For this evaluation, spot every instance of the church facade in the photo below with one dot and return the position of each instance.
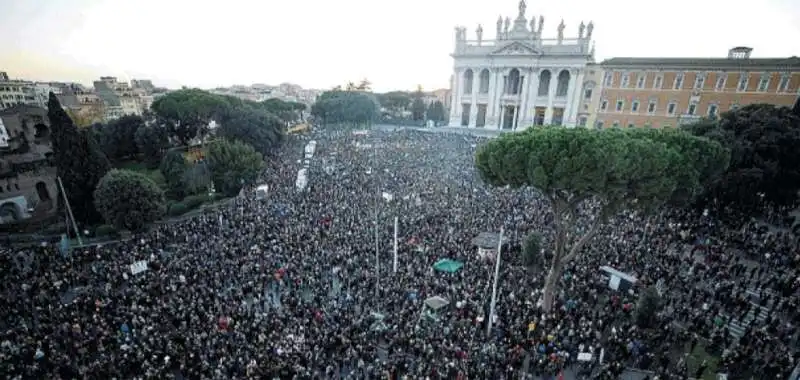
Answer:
(519, 79)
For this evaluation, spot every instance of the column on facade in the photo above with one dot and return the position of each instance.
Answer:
(529, 106)
(551, 94)
(492, 97)
(497, 114)
(524, 95)
(573, 102)
(473, 108)
(455, 102)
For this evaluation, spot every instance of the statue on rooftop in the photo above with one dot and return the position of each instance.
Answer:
(522, 7)
(499, 27)
(541, 24)
(581, 28)
(479, 33)
(561, 31)
(589, 30)
(506, 25)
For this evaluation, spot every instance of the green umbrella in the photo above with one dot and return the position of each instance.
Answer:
(448, 265)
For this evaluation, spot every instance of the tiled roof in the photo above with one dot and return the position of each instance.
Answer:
(791, 63)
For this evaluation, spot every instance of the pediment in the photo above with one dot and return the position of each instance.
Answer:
(515, 48)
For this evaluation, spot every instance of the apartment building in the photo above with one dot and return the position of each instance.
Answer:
(16, 92)
(667, 92)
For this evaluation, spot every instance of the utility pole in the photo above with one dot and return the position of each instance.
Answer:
(395, 244)
(494, 285)
(69, 211)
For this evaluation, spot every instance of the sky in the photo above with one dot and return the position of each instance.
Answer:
(396, 45)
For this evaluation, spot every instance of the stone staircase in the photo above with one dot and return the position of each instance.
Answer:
(756, 316)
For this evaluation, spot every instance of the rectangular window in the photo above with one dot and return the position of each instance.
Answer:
(783, 86)
(692, 109)
(640, 80)
(616, 124)
(712, 110)
(587, 94)
(699, 81)
(721, 79)
(743, 80)
(598, 124)
(635, 106)
(763, 84)
(678, 82)
(582, 121)
(671, 109)
(657, 82)
(604, 105)
(620, 105)
(651, 107)
(608, 80)
(626, 80)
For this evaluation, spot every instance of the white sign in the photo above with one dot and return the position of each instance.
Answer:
(388, 197)
(138, 267)
(613, 283)
(487, 254)
(584, 357)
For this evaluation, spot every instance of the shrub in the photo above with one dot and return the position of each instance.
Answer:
(129, 200)
(177, 209)
(105, 230)
(648, 307)
(532, 251)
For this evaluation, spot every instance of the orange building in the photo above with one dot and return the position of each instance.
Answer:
(667, 92)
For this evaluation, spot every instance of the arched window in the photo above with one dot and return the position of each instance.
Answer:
(468, 81)
(563, 83)
(512, 83)
(544, 83)
(484, 82)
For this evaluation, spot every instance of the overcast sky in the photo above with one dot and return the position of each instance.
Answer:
(322, 43)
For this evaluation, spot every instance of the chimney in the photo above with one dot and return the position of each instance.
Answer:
(740, 52)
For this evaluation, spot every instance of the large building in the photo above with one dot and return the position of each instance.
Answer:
(27, 175)
(667, 92)
(519, 79)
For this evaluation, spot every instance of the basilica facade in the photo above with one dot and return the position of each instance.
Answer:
(519, 79)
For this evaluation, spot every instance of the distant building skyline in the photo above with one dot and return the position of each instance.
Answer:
(319, 44)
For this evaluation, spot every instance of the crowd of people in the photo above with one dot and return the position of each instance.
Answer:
(302, 284)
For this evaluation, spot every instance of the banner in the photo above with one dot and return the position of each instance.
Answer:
(138, 267)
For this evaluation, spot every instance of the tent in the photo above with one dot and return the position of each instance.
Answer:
(618, 280)
(447, 265)
(431, 307)
(487, 244)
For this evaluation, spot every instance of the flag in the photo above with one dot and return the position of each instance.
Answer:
(64, 245)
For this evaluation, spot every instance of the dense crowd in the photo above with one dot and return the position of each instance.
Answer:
(301, 285)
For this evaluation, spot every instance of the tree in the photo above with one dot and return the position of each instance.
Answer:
(117, 139)
(435, 111)
(418, 105)
(197, 178)
(287, 112)
(189, 112)
(587, 177)
(173, 166)
(129, 200)
(152, 140)
(648, 307)
(353, 108)
(364, 85)
(257, 128)
(532, 251)
(87, 115)
(79, 162)
(396, 102)
(233, 164)
(764, 171)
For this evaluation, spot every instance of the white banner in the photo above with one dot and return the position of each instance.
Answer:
(138, 267)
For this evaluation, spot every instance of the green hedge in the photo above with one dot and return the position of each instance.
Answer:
(177, 209)
(105, 230)
(194, 201)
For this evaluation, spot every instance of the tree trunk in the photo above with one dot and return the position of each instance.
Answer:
(548, 298)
